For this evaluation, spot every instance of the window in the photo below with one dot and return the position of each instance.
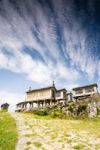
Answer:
(58, 94)
(79, 92)
(88, 90)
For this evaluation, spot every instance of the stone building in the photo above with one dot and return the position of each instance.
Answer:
(85, 91)
(5, 106)
(43, 97)
(50, 96)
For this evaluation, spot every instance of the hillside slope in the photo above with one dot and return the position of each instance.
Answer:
(56, 134)
(8, 132)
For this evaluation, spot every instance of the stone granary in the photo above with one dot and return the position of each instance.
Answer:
(5, 106)
(50, 96)
(85, 91)
(43, 97)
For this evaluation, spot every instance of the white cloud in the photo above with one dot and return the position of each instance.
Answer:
(67, 73)
(17, 25)
(29, 24)
(11, 98)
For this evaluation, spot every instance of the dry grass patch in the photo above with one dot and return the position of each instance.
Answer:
(57, 133)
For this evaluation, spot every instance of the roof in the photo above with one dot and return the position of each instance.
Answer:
(5, 104)
(45, 88)
(61, 90)
(33, 101)
(69, 93)
(21, 103)
(85, 86)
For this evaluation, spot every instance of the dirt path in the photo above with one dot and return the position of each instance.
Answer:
(37, 134)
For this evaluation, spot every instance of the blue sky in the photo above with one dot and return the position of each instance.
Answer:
(46, 40)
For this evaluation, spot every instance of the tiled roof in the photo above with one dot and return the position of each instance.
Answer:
(45, 88)
(61, 90)
(85, 86)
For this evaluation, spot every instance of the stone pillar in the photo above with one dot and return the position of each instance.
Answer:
(20, 105)
(43, 103)
(38, 104)
(53, 103)
(32, 104)
(57, 101)
(35, 104)
(49, 103)
(28, 106)
(24, 106)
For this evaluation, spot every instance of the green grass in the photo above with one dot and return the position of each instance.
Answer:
(38, 144)
(79, 147)
(8, 132)
(28, 143)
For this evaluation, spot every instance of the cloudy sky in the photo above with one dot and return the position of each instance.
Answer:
(46, 40)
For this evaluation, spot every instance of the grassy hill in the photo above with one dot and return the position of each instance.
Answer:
(8, 132)
(47, 133)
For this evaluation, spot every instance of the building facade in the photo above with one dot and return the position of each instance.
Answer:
(50, 96)
(41, 98)
(85, 91)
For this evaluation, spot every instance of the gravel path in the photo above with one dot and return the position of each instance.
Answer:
(40, 134)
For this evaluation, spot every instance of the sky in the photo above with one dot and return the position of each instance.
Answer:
(46, 40)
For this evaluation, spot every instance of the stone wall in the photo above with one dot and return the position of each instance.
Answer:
(88, 107)
(38, 95)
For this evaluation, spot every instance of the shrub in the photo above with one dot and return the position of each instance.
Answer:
(98, 110)
(82, 109)
(57, 113)
(72, 107)
(40, 112)
(53, 112)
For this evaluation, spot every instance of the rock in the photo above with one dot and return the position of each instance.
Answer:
(92, 109)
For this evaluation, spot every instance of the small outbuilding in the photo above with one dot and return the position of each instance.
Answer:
(5, 106)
